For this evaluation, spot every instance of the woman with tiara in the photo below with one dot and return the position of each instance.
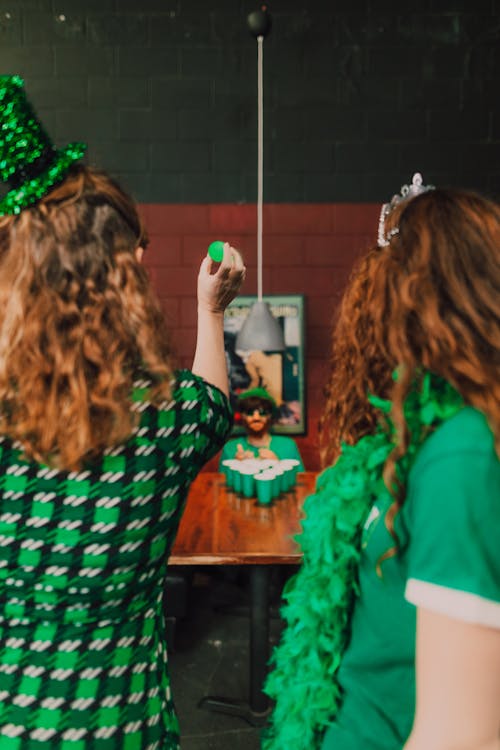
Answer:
(100, 438)
(393, 621)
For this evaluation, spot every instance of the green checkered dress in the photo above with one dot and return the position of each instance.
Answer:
(83, 661)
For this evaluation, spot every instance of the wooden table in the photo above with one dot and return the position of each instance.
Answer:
(220, 527)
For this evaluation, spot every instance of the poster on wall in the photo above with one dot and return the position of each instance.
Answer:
(280, 373)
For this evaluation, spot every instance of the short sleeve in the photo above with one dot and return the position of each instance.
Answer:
(452, 515)
(228, 452)
(296, 454)
(285, 448)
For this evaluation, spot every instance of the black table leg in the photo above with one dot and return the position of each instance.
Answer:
(257, 709)
(259, 636)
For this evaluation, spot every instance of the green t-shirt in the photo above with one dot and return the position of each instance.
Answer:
(281, 445)
(449, 562)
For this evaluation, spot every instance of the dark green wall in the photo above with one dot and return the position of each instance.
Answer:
(358, 94)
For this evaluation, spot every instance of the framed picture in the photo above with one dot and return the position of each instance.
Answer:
(280, 373)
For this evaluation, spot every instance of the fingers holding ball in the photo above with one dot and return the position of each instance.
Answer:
(229, 258)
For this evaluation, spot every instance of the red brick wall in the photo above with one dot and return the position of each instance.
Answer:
(307, 249)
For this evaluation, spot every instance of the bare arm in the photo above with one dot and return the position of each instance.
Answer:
(215, 292)
(458, 685)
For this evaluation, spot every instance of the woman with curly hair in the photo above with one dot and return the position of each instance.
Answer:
(100, 438)
(393, 621)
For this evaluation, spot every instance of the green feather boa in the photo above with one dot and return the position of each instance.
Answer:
(320, 598)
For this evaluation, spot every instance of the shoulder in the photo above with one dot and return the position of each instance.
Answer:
(185, 387)
(282, 440)
(185, 380)
(192, 388)
(286, 447)
(460, 452)
(458, 460)
(194, 405)
(232, 443)
(467, 432)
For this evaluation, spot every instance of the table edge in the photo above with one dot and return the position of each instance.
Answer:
(227, 559)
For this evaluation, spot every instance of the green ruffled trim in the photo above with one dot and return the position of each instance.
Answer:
(320, 598)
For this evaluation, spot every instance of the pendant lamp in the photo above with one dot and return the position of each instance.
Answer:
(260, 330)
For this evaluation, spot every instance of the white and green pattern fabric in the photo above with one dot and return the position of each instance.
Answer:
(83, 661)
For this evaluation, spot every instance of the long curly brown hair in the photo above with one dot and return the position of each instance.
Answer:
(431, 300)
(78, 320)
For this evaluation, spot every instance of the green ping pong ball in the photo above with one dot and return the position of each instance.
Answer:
(216, 250)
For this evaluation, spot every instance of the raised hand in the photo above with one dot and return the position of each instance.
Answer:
(218, 287)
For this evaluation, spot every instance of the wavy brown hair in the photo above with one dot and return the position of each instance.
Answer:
(78, 321)
(431, 300)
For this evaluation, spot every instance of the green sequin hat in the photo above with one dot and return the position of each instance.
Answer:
(29, 162)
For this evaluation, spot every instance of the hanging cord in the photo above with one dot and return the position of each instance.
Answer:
(260, 160)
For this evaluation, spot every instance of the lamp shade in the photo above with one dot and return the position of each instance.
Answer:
(260, 331)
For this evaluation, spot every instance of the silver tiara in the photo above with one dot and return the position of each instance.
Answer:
(407, 191)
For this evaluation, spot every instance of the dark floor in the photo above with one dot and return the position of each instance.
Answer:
(210, 656)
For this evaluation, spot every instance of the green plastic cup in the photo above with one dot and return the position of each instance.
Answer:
(292, 464)
(247, 481)
(280, 479)
(237, 479)
(227, 468)
(288, 466)
(264, 485)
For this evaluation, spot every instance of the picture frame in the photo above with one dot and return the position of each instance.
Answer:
(280, 373)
